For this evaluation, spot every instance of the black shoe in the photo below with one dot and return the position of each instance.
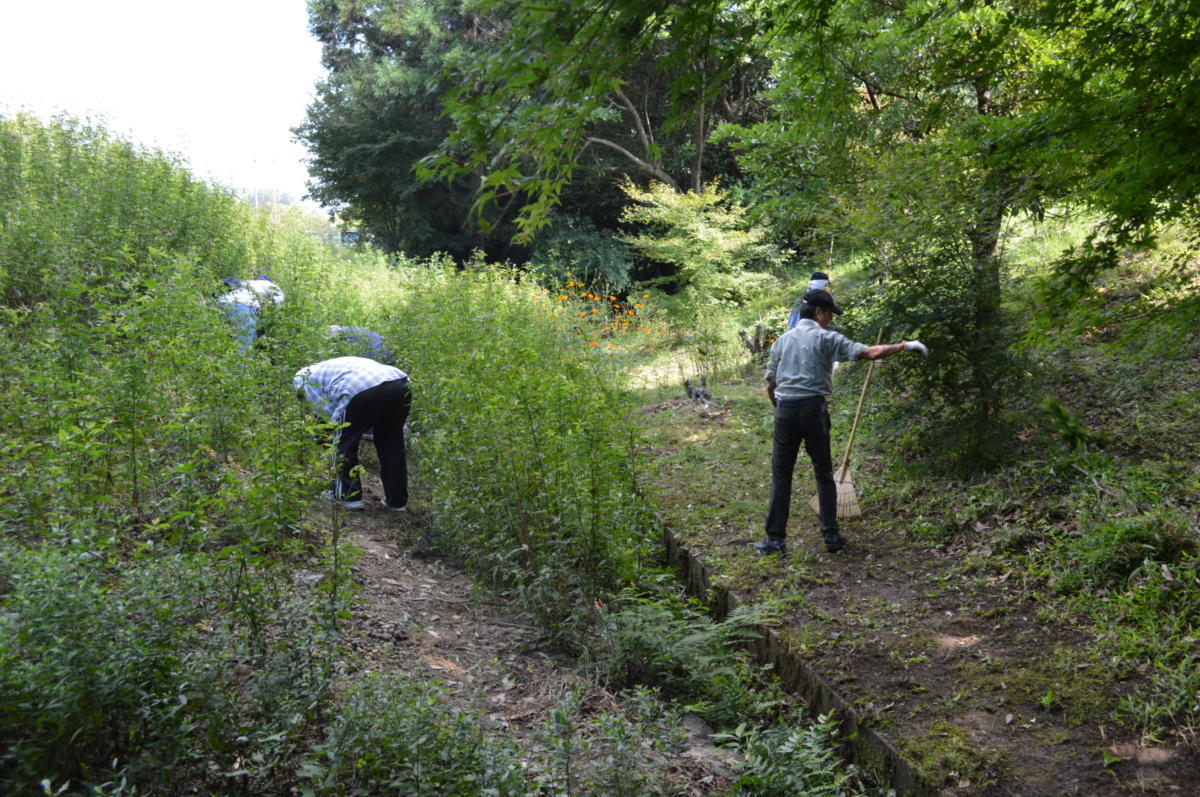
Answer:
(771, 546)
(834, 542)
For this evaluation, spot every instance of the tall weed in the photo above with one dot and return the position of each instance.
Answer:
(133, 670)
(530, 468)
(393, 736)
(154, 476)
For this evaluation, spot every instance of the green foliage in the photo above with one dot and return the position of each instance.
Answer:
(377, 115)
(619, 86)
(880, 142)
(1155, 619)
(158, 484)
(681, 651)
(145, 413)
(82, 209)
(1123, 103)
(794, 757)
(575, 249)
(716, 259)
(608, 754)
(535, 483)
(1069, 428)
(394, 736)
(154, 475)
(1106, 554)
(955, 404)
(1141, 307)
(136, 673)
(92, 675)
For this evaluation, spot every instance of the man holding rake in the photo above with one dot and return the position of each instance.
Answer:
(799, 379)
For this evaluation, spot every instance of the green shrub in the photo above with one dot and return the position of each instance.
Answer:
(143, 671)
(716, 259)
(575, 249)
(83, 208)
(790, 758)
(611, 752)
(682, 652)
(392, 736)
(154, 476)
(520, 426)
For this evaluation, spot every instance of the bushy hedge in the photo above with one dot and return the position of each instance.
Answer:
(154, 477)
(526, 459)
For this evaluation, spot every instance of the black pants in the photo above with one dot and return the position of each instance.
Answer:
(384, 407)
(805, 421)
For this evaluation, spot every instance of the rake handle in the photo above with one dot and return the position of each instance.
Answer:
(858, 412)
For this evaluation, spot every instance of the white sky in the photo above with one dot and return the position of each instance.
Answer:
(220, 82)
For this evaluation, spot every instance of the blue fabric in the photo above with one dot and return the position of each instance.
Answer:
(362, 342)
(244, 318)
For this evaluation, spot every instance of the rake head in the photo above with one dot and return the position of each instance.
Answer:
(847, 497)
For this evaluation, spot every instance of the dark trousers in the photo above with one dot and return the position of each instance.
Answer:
(385, 408)
(807, 422)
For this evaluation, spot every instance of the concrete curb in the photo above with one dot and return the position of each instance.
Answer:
(864, 746)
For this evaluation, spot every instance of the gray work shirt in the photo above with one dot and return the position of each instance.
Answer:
(801, 362)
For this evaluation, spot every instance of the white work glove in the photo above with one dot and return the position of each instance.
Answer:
(915, 345)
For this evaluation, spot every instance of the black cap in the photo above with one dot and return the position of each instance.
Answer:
(819, 275)
(822, 299)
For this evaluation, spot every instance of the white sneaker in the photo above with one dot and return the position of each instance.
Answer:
(383, 503)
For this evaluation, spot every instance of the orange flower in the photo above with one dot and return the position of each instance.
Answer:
(594, 343)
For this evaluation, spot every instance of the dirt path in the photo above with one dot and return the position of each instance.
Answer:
(983, 684)
(422, 616)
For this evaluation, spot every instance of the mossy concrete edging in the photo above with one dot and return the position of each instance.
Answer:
(865, 747)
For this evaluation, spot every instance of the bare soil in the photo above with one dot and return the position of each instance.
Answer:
(421, 615)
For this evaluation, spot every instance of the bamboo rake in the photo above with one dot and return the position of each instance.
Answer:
(847, 497)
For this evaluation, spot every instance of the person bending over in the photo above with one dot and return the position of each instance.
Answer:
(356, 394)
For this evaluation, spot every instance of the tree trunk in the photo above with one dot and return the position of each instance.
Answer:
(989, 359)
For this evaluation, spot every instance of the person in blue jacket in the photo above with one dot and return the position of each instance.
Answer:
(819, 281)
(360, 341)
(244, 306)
